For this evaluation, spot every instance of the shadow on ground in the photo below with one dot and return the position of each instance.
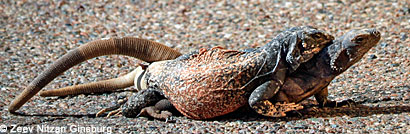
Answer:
(246, 114)
(313, 111)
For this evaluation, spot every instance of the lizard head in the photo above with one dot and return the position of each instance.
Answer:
(351, 47)
(304, 43)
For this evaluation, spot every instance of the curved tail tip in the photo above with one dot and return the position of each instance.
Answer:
(14, 106)
(12, 109)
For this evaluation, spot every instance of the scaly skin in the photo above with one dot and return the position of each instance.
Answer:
(314, 76)
(214, 82)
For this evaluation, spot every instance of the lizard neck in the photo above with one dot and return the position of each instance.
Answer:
(327, 64)
(271, 48)
(338, 58)
(274, 54)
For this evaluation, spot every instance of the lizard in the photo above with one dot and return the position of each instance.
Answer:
(290, 48)
(313, 77)
(309, 79)
(214, 82)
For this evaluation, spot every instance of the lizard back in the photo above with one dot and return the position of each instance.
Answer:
(209, 83)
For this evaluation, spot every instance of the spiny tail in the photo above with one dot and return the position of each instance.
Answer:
(142, 49)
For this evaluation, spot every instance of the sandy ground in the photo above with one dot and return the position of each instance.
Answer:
(33, 34)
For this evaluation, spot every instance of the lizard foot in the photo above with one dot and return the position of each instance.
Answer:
(304, 111)
(151, 111)
(286, 107)
(266, 108)
(115, 110)
(115, 113)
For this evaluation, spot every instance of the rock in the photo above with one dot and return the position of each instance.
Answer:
(372, 56)
(395, 64)
(403, 36)
(384, 44)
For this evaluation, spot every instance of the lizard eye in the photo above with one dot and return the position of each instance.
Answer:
(316, 36)
(359, 39)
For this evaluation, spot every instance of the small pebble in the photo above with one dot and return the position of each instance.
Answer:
(395, 64)
(372, 56)
(403, 36)
(384, 44)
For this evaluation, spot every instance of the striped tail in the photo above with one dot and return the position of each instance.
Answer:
(148, 51)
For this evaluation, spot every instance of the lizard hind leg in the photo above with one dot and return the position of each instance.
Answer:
(133, 106)
(140, 104)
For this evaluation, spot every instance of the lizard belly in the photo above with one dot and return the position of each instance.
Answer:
(201, 104)
(208, 84)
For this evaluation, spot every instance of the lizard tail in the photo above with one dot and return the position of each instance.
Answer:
(101, 86)
(94, 87)
(142, 49)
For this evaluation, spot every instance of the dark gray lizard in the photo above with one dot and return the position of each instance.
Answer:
(311, 78)
(241, 74)
(314, 76)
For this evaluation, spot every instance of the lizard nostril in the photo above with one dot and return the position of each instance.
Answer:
(374, 32)
(377, 33)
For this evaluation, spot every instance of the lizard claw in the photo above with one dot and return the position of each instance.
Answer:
(285, 107)
(115, 113)
(299, 114)
(143, 112)
(115, 110)
(152, 112)
(348, 103)
(314, 109)
(170, 119)
(99, 113)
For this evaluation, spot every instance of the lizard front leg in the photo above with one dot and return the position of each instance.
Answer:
(321, 98)
(259, 101)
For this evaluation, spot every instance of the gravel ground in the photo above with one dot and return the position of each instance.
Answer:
(33, 34)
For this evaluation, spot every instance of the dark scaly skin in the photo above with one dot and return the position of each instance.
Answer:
(215, 82)
(144, 99)
(314, 76)
(149, 103)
